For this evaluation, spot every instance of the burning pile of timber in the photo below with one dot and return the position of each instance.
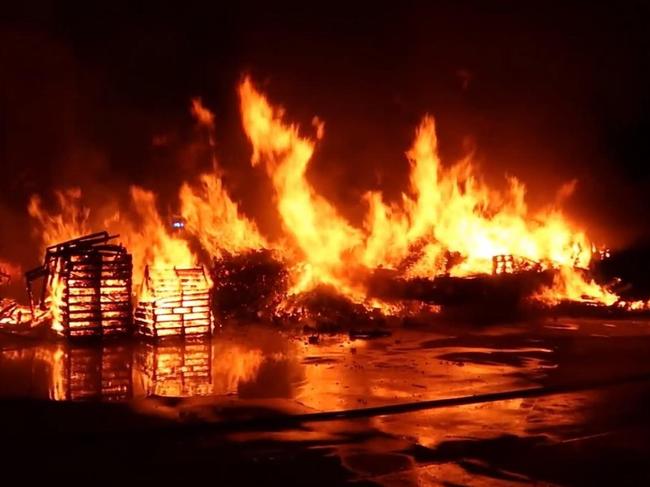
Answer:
(98, 373)
(249, 286)
(512, 280)
(325, 309)
(499, 295)
(87, 286)
(13, 315)
(174, 302)
(176, 369)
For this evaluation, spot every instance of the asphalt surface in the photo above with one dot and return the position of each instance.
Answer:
(252, 406)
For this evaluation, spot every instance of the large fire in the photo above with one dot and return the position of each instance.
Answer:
(446, 209)
(323, 237)
(447, 222)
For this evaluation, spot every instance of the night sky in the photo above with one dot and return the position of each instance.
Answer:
(546, 93)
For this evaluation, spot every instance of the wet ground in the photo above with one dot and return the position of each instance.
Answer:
(245, 407)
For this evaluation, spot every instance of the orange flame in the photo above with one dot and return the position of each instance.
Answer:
(149, 240)
(9, 271)
(209, 212)
(56, 294)
(214, 218)
(446, 209)
(452, 209)
(142, 230)
(570, 285)
(321, 234)
(70, 222)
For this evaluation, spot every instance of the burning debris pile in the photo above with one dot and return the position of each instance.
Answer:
(508, 283)
(13, 316)
(249, 286)
(87, 286)
(450, 241)
(324, 309)
(174, 302)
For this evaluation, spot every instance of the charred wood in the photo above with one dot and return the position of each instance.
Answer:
(324, 309)
(449, 291)
(249, 286)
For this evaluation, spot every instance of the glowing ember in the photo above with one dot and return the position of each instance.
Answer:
(88, 283)
(322, 235)
(55, 303)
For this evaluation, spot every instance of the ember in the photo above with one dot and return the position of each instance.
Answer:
(174, 301)
(89, 286)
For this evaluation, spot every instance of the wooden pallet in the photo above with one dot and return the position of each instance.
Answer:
(95, 280)
(175, 302)
(97, 294)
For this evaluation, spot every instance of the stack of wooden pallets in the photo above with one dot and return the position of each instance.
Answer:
(93, 279)
(174, 302)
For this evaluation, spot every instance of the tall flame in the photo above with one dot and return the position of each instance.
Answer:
(71, 220)
(149, 238)
(452, 209)
(448, 221)
(142, 230)
(209, 212)
(446, 210)
(322, 235)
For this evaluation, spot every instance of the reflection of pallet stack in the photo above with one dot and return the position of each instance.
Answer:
(174, 301)
(89, 286)
(99, 373)
(176, 369)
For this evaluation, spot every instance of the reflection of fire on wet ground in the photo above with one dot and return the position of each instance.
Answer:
(260, 363)
(176, 369)
(98, 373)
(76, 373)
(256, 370)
